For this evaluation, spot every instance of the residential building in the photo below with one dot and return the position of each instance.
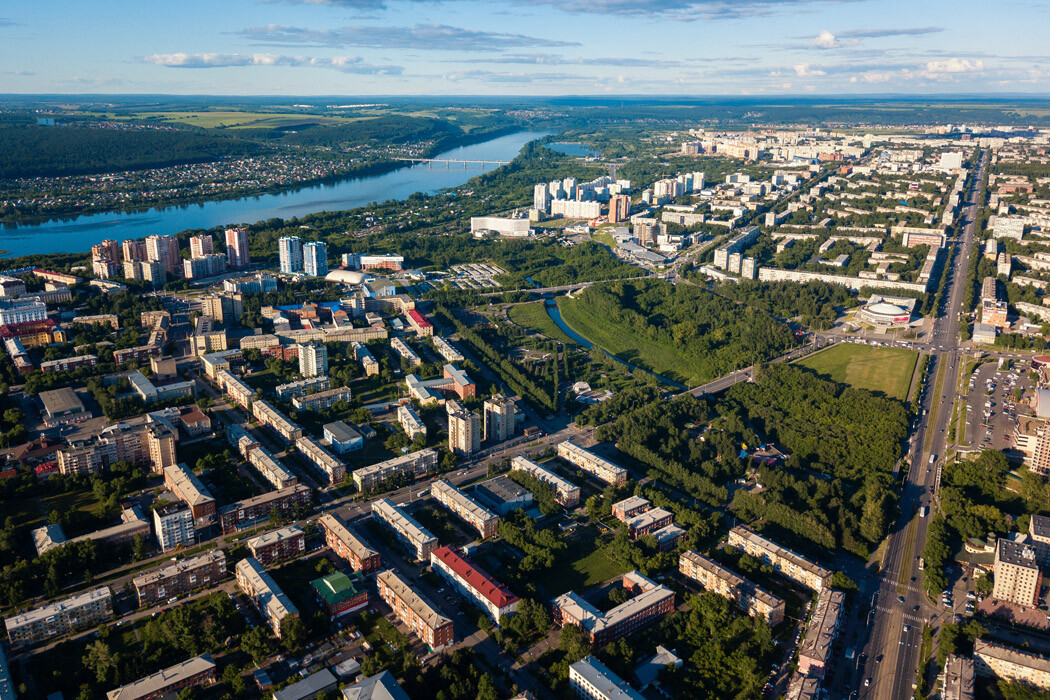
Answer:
(417, 537)
(629, 507)
(566, 493)
(405, 353)
(277, 421)
(186, 575)
(252, 511)
(12, 312)
(290, 251)
(203, 267)
(173, 525)
(821, 631)
(61, 617)
(410, 421)
(313, 359)
(464, 429)
(237, 248)
(590, 678)
(368, 362)
(322, 400)
(419, 323)
(1011, 664)
(194, 421)
(619, 208)
(415, 463)
(259, 283)
(315, 259)
(651, 600)
(66, 364)
(446, 349)
(207, 337)
(302, 387)
(744, 594)
(415, 611)
(240, 392)
(648, 522)
(271, 468)
(787, 563)
(591, 463)
(473, 583)
(334, 470)
(346, 545)
(195, 672)
(181, 481)
(501, 416)
(264, 593)
(342, 437)
(466, 508)
(802, 687)
(278, 545)
(164, 250)
(461, 383)
(382, 686)
(1018, 576)
(958, 679)
(340, 594)
(316, 685)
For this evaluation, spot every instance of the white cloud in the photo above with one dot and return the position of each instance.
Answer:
(805, 70)
(345, 64)
(955, 65)
(824, 40)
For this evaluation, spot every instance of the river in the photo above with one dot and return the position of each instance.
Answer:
(79, 234)
(555, 313)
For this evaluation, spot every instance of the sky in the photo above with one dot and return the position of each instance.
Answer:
(524, 47)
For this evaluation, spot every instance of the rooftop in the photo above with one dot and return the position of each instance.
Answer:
(161, 680)
(417, 603)
(1027, 659)
(487, 587)
(341, 432)
(611, 686)
(820, 632)
(352, 541)
(337, 587)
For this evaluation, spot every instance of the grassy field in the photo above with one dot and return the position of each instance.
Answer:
(534, 317)
(238, 119)
(583, 564)
(885, 370)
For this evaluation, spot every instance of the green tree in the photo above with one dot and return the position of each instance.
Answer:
(256, 643)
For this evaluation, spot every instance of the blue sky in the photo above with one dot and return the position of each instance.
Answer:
(526, 47)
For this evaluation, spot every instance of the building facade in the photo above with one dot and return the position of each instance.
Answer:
(347, 545)
(415, 611)
(744, 594)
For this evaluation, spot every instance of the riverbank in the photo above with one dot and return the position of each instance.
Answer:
(356, 172)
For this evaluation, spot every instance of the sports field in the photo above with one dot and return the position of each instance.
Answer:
(886, 370)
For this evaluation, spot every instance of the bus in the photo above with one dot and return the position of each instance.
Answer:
(933, 458)
(922, 563)
(922, 511)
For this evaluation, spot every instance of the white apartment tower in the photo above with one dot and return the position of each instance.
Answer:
(315, 259)
(291, 252)
(237, 247)
(313, 359)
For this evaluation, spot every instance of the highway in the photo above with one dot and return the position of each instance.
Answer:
(899, 606)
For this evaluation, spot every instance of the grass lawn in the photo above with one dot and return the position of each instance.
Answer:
(583, 564)
(534, 317)
(885, 370)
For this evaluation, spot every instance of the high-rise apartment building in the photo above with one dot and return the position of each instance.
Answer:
(313, 359)
(237, 247)
(541, 197)
(290, 250)
(619, 208)
(173, 524)
(464, 429)
(501, 415)
(164, 250)
(315, 259)
(201, 245)
(134, 251)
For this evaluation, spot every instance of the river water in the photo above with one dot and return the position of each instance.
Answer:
(79, 234)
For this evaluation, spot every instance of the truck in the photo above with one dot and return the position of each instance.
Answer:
(923, 510)
(922, 563)
(933, 458)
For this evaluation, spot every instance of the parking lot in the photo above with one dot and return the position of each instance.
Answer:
(992, 407)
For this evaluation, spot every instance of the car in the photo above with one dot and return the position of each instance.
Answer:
(878, 659)
(900, 599)
(867, 682)
(907, 628)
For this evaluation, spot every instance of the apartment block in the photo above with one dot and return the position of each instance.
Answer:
(649, 522)
(784, 561)
(415, 463)
(447, 350)
(589, 678)
(173, 525)
(591, 463)
(465, 508)
(464, 429)
(322, 400)
(566, 493)
(334, 470)
(252, 511)
(271, 468)
(417, 537)
(266, 595)
(651, 601)
(629, 507)
(303, 387)
(405, 353)
(195, 672)
(61, 617)
(1018, 576)
(1011, 664)
(410, 422)
(958, 678)
(278, 545)
(241, 393)
(157, 585)
(744, 594)
(500, 418)
(182, 482)
(821, 632)
(346, 545)
(277, 421)
(415, 611)
(474, 583)
(313, 359)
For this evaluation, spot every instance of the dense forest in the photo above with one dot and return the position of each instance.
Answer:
(51, 151)
(813, 303)
(680, 331)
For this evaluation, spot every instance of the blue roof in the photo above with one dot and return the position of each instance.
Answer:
(334, 305)
(288, 307)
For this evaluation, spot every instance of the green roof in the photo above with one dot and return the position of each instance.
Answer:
(335, 588)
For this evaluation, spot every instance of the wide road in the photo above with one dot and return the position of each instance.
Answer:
(899, 606)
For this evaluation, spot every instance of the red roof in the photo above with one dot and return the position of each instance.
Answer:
(14, 330)
(420, 320)
(490, 589)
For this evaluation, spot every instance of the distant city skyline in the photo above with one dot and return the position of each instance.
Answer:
(531, 47)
